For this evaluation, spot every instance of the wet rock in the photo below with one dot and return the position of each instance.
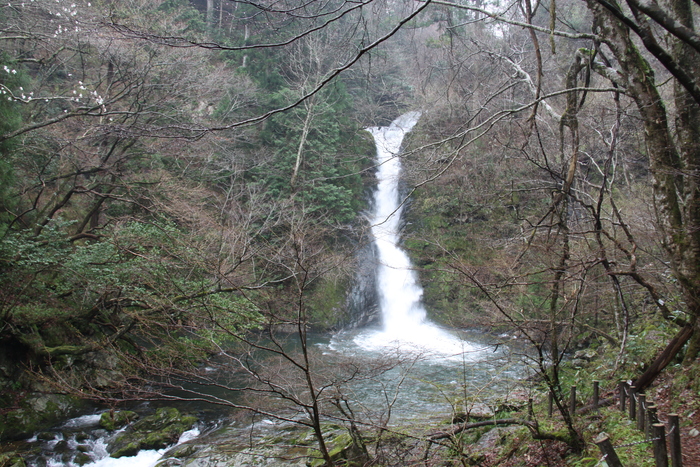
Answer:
(153, 432)
(81, 459)
(476, 412)
(46, 436)
(112, 420)
(61, 447)
(101, 433)
(273, 445)
(36, 412)
(183, 450)
(226, 456)
(494, 438)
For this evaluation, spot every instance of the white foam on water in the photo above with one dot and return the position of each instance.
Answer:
(83, 421)
(144, 458)
(425, 340)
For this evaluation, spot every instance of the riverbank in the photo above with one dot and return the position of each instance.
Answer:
(388, 399)
(489, 435)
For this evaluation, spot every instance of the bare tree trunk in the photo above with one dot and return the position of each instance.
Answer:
(664, 358)
(688, 131)
(246, 35)
(302, 143)
(675, 165)
(210, 13)
(313, 409)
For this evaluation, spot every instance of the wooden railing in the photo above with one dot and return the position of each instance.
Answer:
(645, 413)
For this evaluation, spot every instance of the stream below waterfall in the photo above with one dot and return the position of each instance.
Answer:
(416, 386)
(411, 368)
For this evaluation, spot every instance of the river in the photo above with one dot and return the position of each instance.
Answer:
(399, 387)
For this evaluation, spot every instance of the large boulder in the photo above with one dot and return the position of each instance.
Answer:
(156, 431)
(277, 444)
(113, 420)
(36, 412)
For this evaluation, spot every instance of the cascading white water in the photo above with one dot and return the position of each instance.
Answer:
(403, 317)
(399, 292)
(82, 440)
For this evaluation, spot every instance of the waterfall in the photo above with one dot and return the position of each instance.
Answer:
(398, 288)
(404, 322)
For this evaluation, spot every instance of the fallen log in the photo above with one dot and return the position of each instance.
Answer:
(664, 358)
(469, 426)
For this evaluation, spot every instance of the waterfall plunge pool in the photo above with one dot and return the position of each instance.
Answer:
(396, 384)
(409, 383)
(436, 373)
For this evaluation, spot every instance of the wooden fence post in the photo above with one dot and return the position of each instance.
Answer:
(596, 396)
(622, 388)
(652, 417)
(632, 403)
(660, 454)
(572, 402)
(609, 454)
(641, 411)
(674, 440)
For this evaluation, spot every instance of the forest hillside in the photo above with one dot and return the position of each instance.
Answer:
(182, 181)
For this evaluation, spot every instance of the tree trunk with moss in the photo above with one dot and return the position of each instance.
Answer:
(674, 161)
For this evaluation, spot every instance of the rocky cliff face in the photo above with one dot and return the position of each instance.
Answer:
(363, 301)
(31, 400)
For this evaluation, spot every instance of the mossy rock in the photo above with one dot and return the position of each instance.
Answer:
(37, 411)
(163, 438)
(341, 448)
(153, 432)
(183, 450)
(341, 444)
(11, 459)
(129, 449)
(46, 436)
(112, 420)
(81, 459)
(163, 418)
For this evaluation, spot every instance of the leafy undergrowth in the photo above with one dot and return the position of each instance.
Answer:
(519, 449)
